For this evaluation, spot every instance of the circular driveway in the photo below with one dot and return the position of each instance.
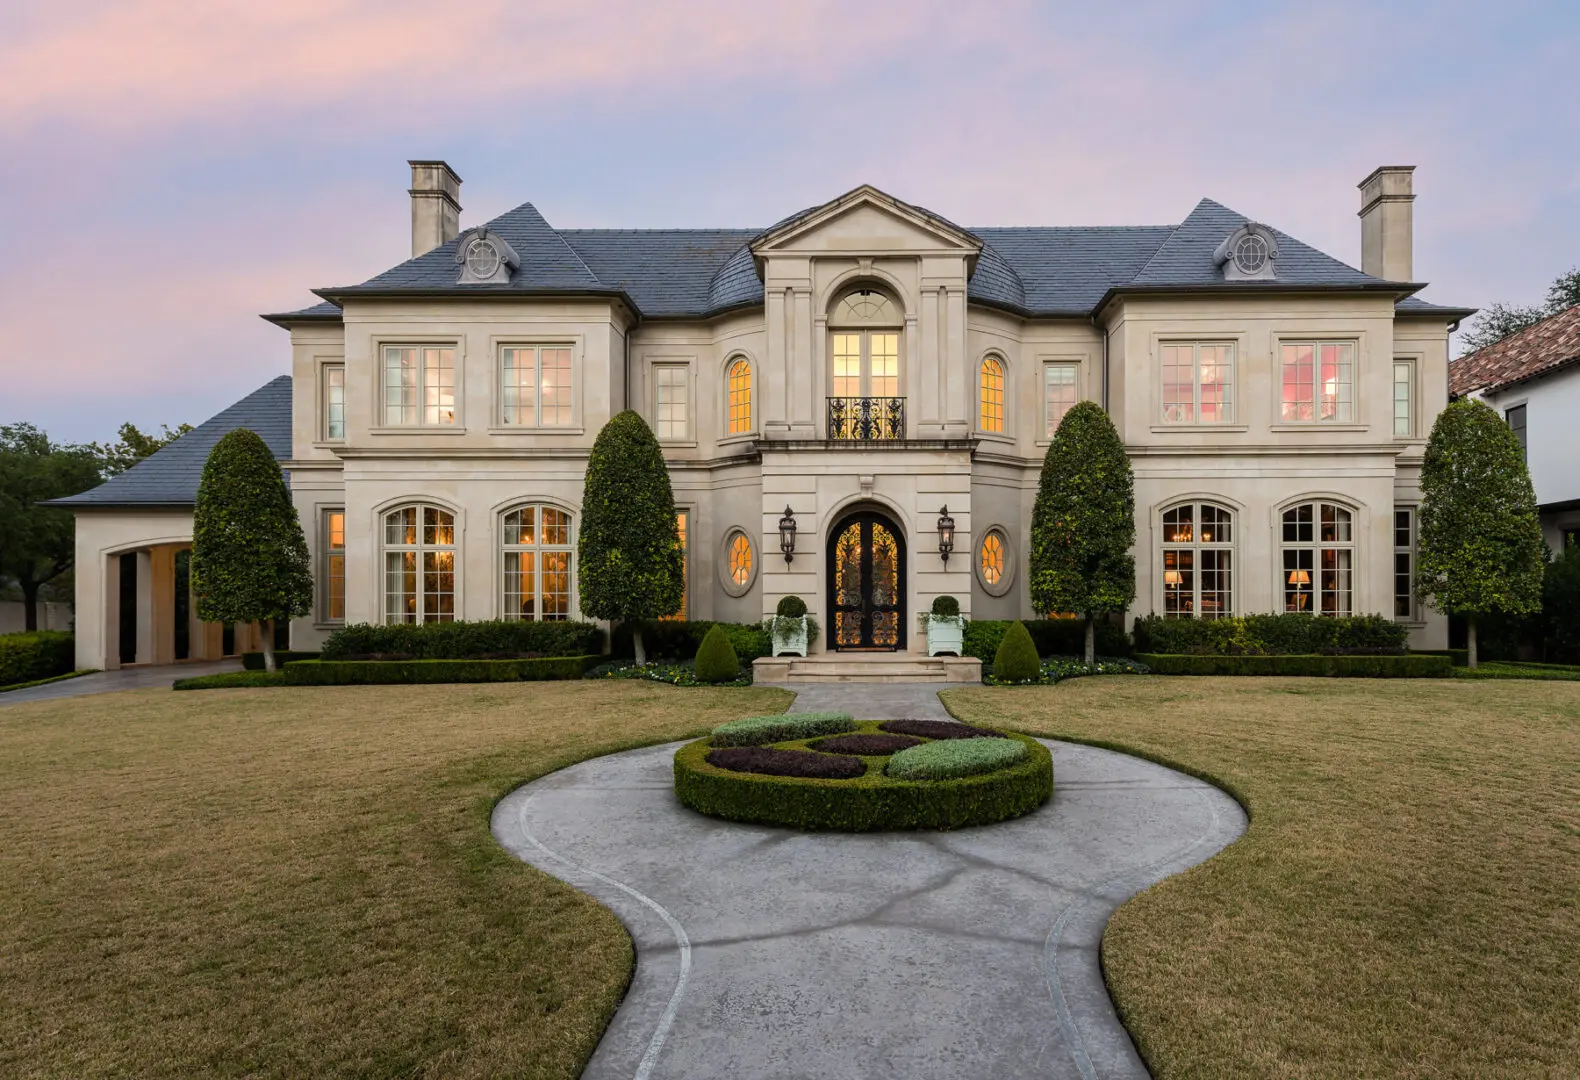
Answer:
(763, 952)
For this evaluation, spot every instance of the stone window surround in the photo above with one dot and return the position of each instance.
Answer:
(1045, 361)
(1233, 341)
(537, 503)
(726, 581)
(456, 547)
(1417, 362)
(321, 366)
(1358, 546)
(497, 344)
(731, 358)
(321, 555)
(655, 361)
(1006, 394)
(457, 343)
(1196, 544)
(1006, 580)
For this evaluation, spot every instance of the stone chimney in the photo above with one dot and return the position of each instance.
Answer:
(1387, 223)
(435, 205)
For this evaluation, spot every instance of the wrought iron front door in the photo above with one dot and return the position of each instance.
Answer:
(866, 576)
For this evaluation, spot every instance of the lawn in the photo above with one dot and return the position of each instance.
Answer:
(1406, 902)
(301, 882)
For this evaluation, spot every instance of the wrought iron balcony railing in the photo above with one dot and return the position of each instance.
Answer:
(866, 419)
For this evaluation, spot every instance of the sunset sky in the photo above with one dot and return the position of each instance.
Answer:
(173, 169)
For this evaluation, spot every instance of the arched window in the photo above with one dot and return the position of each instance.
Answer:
(538, 554)
(1198, 561)
(419, 565)
(1319, 559)
(864, 346)
(991, 395)
(740, 381)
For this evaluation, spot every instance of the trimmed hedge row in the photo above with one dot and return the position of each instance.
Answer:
(1458, 657)
(463, 640)
(866, 803)
(673, 639)
(1283, 634)
(380, 672)
(42, 654)
(1412, 666)
(761, 730)
(230, 680)
(1051, 637)
(253, 661)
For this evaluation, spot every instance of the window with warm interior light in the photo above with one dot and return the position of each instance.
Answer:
(538, 554)
(672, 401)
(992, 557)
(419, 565)
(739, 555)
(740, 391)
(683, 527)
(419, 385)
(1404, 398)
(334, 401)
(1319, 559)
(333, 593)
(1198, 383)
(865, 345)
(1318, 382)
(1404, 563)
(991, 395)
(1198, 561)
(1058, 393)
(535, 385)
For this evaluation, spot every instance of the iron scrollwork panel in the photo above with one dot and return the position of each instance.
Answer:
(866, 419)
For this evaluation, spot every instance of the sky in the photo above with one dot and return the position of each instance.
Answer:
(170, 170)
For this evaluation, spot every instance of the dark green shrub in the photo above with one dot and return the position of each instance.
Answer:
(1016, 659)
(675, 640)
(1288, 633)
(946, 606)
(872, 801)
(761, 730)
(253, 661)
(463, 640)
(229, 680)
(379, 672)
(1561, 606)
(791, 607)
(1457, 657)
(716, 660)
(1052, 637)
(1412, 666)
(40, 654)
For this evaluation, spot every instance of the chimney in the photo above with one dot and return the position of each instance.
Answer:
(1386, 223)
(435, 205)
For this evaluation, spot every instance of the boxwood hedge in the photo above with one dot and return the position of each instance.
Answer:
(761, 730)
(1282, 634)
(40, 654)
(1412, 666)
(1051, 637)
(480, 640)
(369, 672)
(869, 802)
(253, 661)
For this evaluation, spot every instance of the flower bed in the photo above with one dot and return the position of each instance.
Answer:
(1058, 668)
(681, 673)
(870, 799)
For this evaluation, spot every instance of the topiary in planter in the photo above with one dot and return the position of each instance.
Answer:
(716, 659)
(946, 607)
(791, 607)
(1016, 660)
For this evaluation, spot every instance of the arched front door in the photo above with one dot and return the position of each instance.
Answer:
(866, 581)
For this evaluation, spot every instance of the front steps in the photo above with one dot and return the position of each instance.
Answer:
(881, 667)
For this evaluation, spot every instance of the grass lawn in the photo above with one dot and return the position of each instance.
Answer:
(301, 882)
(1406, 902)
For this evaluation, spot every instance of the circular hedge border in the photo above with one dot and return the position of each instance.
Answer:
(866, 803)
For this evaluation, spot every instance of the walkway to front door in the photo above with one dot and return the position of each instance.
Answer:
(866, 581)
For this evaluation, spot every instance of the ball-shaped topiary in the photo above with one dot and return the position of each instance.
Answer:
(1016, 659)
(716, 659)
(791, 607)
(946, 606)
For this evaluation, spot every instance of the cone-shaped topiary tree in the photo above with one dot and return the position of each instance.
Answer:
(1480, 539)
(1084, 522)
(1016, 659)
(716, 660)
(249, 557)
(632, 566)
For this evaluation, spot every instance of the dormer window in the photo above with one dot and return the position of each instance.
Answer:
(1249, 254)
(485, 258)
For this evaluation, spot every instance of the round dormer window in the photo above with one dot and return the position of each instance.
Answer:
(1250, 254)
(482, 258)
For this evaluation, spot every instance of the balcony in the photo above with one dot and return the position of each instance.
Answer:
(866, 419)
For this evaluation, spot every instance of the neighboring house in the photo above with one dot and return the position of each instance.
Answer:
(847, 382)
(1533, 379)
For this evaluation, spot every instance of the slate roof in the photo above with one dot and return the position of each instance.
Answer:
(169, 477)
(1033, 271)
(1546, 347)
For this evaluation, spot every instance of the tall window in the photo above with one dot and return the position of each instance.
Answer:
(867, 364)
(535, 385)
(991, 393)
(740, 380)
(419, 565)
(419, 385)
(1319, 382)
(1198, 383)
(1058, 393)
(538, 553)
(1403, 563)
(334, 401)
(1319, 559)
(1516, 419)
(334, 566)
(1404, 398)
(683, 527)
(1198, 561)
(672, 400)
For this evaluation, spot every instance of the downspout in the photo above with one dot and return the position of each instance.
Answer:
(1104, 391)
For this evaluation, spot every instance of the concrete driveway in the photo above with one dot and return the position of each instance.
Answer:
(764, 952)
(106, 682)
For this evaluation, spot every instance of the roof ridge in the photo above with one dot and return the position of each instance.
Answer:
(566, 244)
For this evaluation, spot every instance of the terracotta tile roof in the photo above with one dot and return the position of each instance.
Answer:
(1549, 345)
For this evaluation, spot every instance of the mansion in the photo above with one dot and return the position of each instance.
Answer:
(854, 405)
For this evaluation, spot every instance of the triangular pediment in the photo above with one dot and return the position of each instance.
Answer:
(867, 221)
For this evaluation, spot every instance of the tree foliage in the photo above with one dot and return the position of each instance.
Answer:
(1083, 525)
(1497, 322)
(1480, 539)
(1561, 606)
(134, 446)
(631, 565)
(249, 557)
(37, 542)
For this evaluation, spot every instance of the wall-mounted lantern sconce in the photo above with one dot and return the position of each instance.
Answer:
(787, 535)
(946, 534)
